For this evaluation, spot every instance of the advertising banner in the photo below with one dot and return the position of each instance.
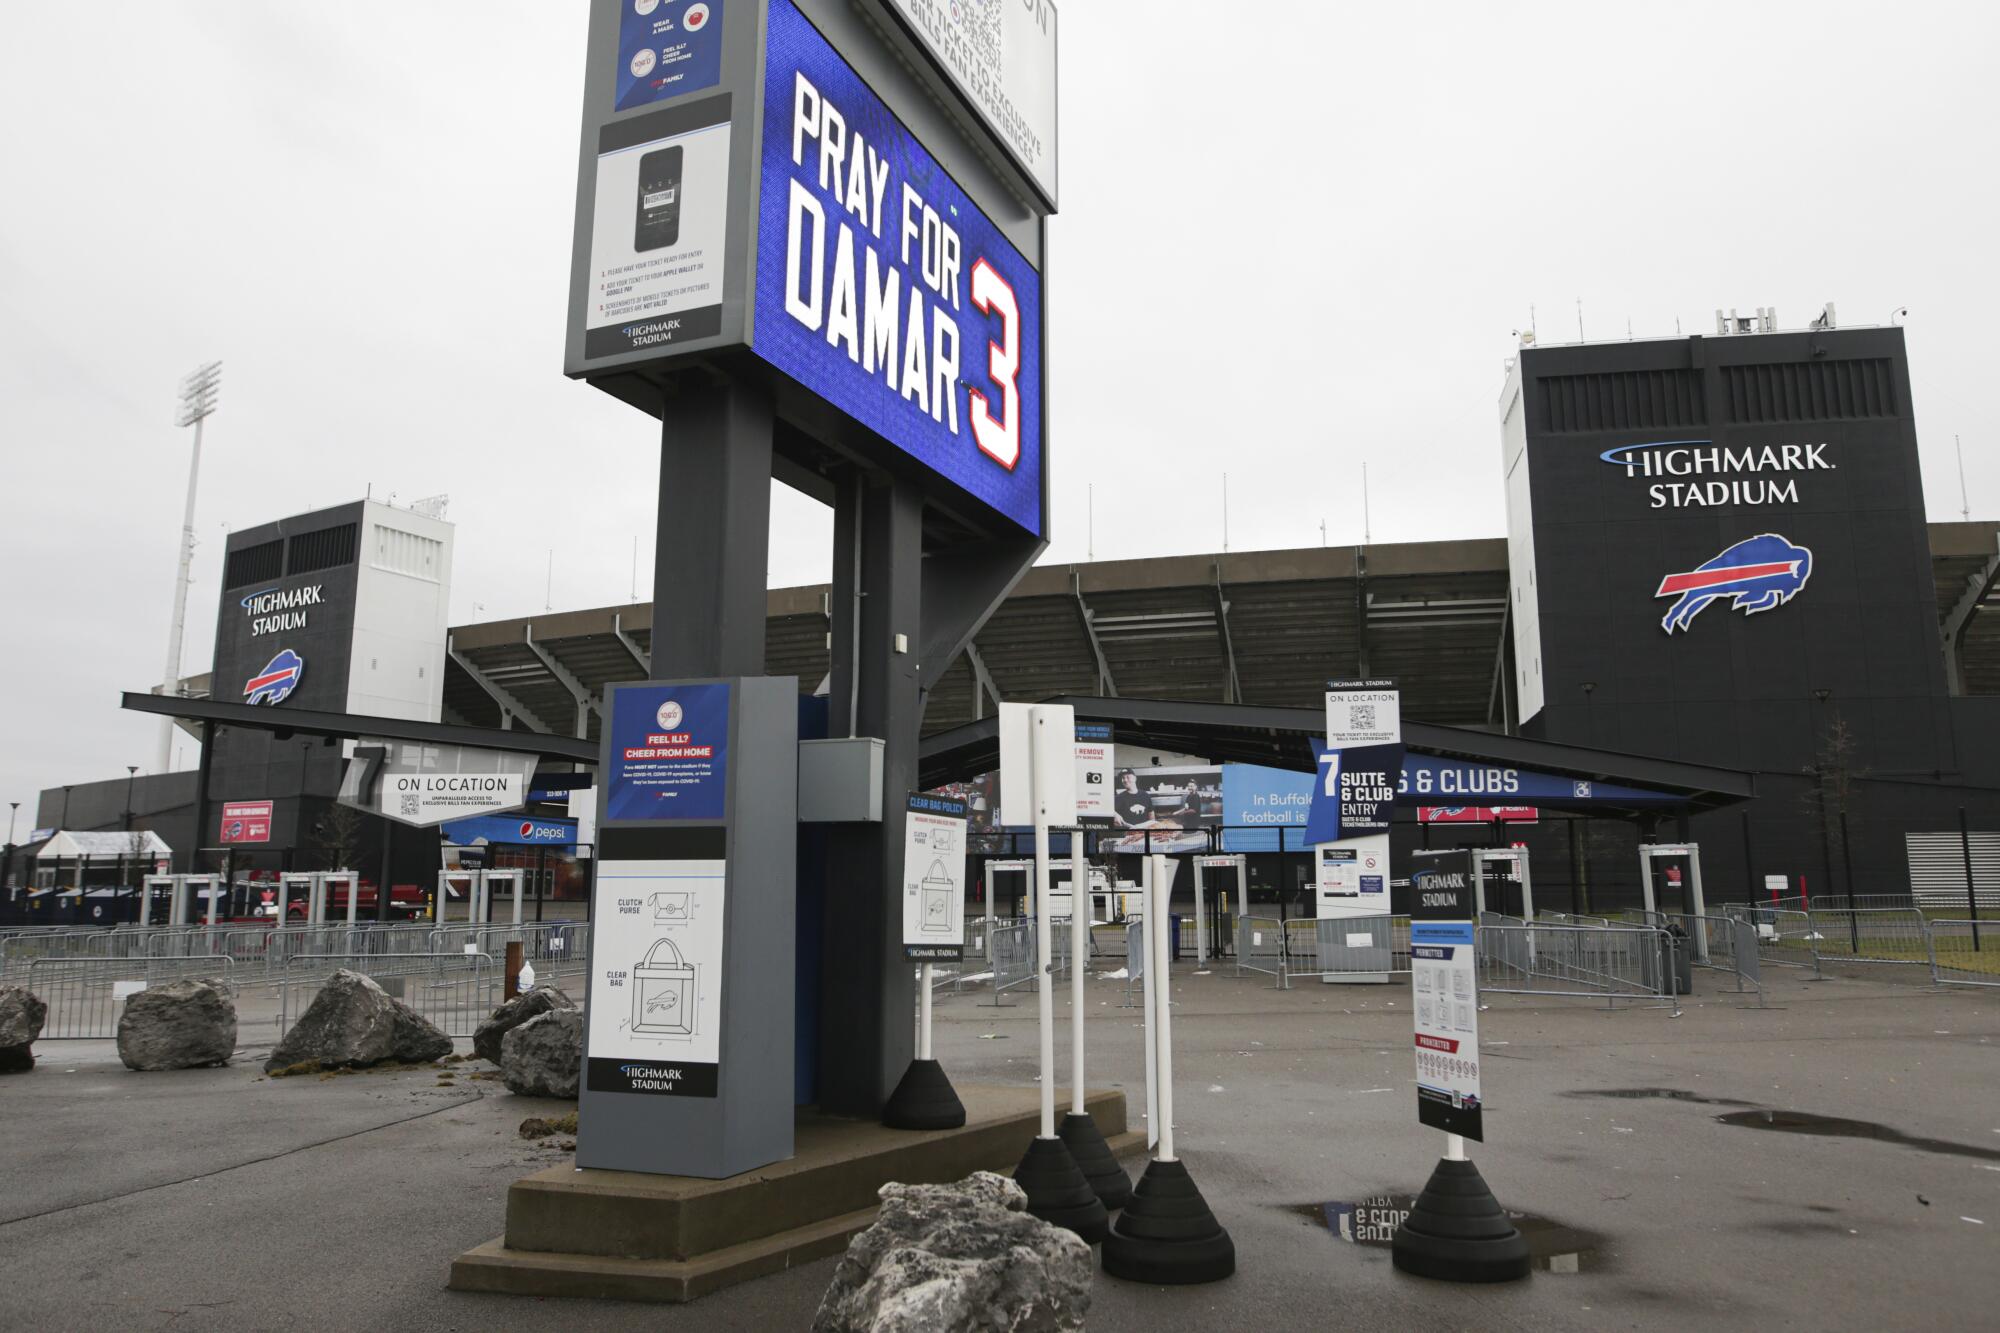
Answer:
(1444, 987)
(667, 48)
(657, 229)
(246, 821)
(1476, 814)
(1427, 777)
(1175, 808)
(525, 831)
(669, 752)
(884, 290)
(933, 878)
(655, 1010)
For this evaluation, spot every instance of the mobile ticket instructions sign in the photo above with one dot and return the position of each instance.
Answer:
(669, 752)
(1444, 987)
(655, 1009)
(883, 289)
(933, 878)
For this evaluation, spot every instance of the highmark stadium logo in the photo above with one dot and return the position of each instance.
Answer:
(275, 683)
(1759, 573)
(1685, 474)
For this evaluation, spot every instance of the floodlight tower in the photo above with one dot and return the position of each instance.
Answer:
(199, 392)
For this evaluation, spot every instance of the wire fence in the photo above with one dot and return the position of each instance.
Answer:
(1964, 952)
(454, 991)
(86, 996)
(1611, 963)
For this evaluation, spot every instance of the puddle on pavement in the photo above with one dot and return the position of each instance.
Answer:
(1553, 1246)
(1662, 1094)
(1833, 1127)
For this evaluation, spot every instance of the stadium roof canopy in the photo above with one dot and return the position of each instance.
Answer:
(1264, 628)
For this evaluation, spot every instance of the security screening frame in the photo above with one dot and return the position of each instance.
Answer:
(798, 245)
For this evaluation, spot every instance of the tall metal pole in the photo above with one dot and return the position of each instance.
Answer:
(1964, 844)
(198, 395)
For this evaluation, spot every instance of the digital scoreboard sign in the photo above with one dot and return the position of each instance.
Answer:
(883, 289)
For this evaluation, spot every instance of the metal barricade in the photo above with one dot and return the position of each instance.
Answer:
(1013, 957)
(1869, 935)
(87, 995)
(456, 992)
(1610, 963)
(1963, 952)
(1356, 946)
(1260, 947)
(1784, 937)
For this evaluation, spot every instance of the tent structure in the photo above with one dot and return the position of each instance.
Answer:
(138, 845)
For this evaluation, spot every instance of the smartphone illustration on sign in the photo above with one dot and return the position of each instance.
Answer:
(659, 221)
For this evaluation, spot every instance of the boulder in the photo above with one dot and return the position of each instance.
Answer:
(22, 1013)
(543, 1057)
(487, 1036)
(353, 1022)
(181, 1025)
(965, 1256)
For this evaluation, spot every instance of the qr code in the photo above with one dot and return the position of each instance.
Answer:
(410, 804)
(1361, 717)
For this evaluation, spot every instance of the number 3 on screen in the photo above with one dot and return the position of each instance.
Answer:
(999, 440)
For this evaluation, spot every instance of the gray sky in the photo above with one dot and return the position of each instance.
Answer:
(1294, 237)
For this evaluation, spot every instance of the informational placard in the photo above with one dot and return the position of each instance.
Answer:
(655, 1009)
(1001, 56)
(657, 229)
(667, 48)
(1037, 766)
(1361, 763)
(1339, 873)
(884, 290)
(1444, 986)
(1094, 755)
(933, 878)
(246, 821)
(669, 753)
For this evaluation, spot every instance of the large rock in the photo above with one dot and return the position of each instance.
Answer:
(965, 1256)
(22, 1014)
(181, 1025)
(543, 1056)
(353, 1022)
(487, 1036)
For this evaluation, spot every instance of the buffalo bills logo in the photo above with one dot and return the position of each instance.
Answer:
(275, 683)
(1759, 573)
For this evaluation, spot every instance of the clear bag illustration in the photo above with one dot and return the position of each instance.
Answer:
(663, 992)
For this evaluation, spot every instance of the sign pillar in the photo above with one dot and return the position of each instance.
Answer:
(688, 1041)
(1456, 1230)
(933, 924)
(1348, 825)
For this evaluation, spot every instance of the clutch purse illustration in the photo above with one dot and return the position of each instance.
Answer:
(936, 894)
(663, 994)
(670, 907)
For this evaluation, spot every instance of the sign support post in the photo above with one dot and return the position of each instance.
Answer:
(1038, 743)
(1079, 1129)
(1456, 1230)
(933, 898)
(1166, 1234)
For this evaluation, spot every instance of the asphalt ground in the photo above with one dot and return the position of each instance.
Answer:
(217, 1199)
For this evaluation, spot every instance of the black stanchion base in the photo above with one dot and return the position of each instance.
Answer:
(1167, 1234)
(1457, 1231)
(1058, 1193)
(924, 1099)
(1093, 1157)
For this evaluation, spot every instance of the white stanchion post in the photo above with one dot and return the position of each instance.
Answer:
(924, 1014)
(353, 882)
(1148, 1000)
(1163, 1005)
(1079, 943)
(1454, 1147)
(1044, 998)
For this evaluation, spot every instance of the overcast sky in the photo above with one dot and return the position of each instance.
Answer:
(1294, 237)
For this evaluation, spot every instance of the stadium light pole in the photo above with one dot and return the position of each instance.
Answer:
(199, 392)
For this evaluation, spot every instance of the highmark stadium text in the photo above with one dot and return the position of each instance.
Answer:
(1694, 458)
